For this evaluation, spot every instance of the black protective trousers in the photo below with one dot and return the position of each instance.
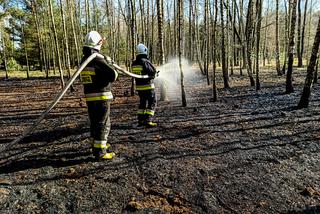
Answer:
(99, 115)
(147, 102)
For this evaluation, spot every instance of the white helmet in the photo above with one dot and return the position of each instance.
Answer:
(93, 39)
(141, 49)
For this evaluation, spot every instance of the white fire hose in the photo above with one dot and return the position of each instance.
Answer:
(60, 95)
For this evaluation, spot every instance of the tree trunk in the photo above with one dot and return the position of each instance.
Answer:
(299, 35)
(214, 50)
(142, 21)
(287, 27)
(206, 40)
(4, 50)
(303, 29)
(258, 27)
(160, 32)
(309, 28)
(25, 50)
(304, 100)
(163, 84)
(132, 11)
(265, 49)
(289, 86)
(180, 47)
(223, 50)
(66, 41)
(197, 39)
(87, 11)
(95, 15)
(242, 33)
(277, 40)
(40, 45)
(56, 43)
(190, 38)
(249, 39)
(71, 16)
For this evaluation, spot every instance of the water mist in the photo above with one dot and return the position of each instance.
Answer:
(170, 75)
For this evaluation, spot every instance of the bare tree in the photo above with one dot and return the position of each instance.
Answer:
(41, 51)
(66, 40)
(25, 49)
(70, 7)
(206, 40)
(303, 30)
(299, 35)
(214, 60)
(132, 12)
(304, 100)
(249, 39)
(223, 49)
(289, 86)
(163, 86)
(277, 40)
(4, 52)
(160, 32)
(180, 47)
(258, 27)
(56, 42)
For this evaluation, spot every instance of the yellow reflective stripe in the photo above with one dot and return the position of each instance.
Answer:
(99, 98)
(88, 73)
(137, 69)
(144, 87)
(101, 145)
(137, 66)
(149, 112)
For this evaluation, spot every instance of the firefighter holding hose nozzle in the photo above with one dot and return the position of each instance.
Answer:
(97, 77)
(145, 87)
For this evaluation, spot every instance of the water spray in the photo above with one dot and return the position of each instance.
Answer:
(170, 76)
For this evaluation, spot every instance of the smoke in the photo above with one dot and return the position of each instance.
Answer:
(170, 75)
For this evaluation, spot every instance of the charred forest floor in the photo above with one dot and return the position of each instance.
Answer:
(250, 152)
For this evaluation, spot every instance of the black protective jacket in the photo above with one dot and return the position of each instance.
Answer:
(97, 77)
(143, 66)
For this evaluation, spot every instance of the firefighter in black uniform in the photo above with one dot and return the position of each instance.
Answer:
(97, 77)
(145, 87)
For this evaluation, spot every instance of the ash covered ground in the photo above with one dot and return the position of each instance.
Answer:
(250, 152)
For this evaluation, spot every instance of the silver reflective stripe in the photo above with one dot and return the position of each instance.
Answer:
(108, 94)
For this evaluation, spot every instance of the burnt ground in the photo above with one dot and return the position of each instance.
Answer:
(250, 152)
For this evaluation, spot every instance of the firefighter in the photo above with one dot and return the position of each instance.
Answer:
(145, 87)
(97, 77)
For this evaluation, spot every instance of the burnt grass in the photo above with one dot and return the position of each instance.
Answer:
(250, 152)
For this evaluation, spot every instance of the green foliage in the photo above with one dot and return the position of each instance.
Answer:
(13, 65)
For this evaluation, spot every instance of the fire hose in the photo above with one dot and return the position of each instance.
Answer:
(62, 93)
